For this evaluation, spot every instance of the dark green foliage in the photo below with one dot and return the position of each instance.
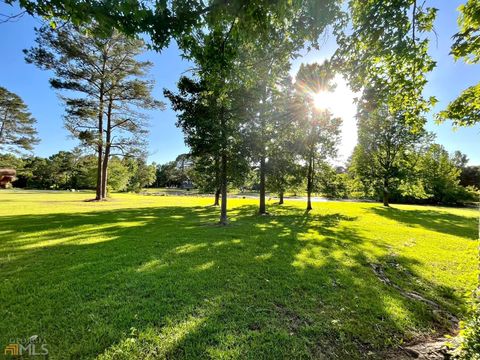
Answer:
(387, 149)
(470, 176)
(17, 126)
(425, 175)
(11, 161)
(177, 172)
(142, 174)
(72, 170)
(440, 177)
(266, 31)
(334, 182)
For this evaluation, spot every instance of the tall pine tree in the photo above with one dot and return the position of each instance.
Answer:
(103, 86)
(17, 126)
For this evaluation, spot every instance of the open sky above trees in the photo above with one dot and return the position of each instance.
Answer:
(446, 81)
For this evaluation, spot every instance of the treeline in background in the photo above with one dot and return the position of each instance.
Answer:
(436, 178)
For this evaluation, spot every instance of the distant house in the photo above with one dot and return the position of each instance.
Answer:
(187, 185)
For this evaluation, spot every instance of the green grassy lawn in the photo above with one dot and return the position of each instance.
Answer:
(154, 277)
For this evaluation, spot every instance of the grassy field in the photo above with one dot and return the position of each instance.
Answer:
(154, 277)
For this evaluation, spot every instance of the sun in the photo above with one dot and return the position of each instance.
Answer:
(335, 102)
(322, 100)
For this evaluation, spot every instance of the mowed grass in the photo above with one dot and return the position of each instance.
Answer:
(153, 277)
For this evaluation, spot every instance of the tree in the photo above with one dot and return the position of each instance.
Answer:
(62, 167)
(131, 17)
(387, 148)
(142, 174)
(321, 131)
(109, 86)
(261, 99)
(470, 176)
(217, 48)
(460, 159)
(11, 161)
(197, 117)
(17, 126)
(166, 175)
(206, 175)
(440, 175)
(385, 47)
(164, 20)
(465, 109)
(284, 171)
(467, 41)
(175, 173)
(334, 182)
(120, 175)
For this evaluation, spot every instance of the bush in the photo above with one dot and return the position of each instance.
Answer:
(469, 348)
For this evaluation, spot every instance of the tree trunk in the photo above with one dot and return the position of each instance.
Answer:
(281, 198)
(223, 169)
(106, 158)
(309, 183)
(385, 193)
(223, 210)
(99, 194)
(218, 186)
(385, 198)
(262, 209)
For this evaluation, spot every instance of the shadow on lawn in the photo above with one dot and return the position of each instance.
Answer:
(432, 220)
(165, 282)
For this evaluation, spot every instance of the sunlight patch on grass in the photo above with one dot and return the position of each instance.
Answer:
(151, 266)
(264, 257)
(397, 312)
(75, 240)
(83, 235)
(189, 248)
(309, 257)
(226, 242)
(149, 344)
(205, 266)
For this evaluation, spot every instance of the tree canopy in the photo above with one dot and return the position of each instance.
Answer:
(17, 125)
(103, 86)
(465, 109)
(385, 47)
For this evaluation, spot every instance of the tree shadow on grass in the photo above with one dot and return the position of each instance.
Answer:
(158, 283)
(432, 220)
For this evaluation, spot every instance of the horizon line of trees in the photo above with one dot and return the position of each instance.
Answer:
(437, 177)
(74, 170)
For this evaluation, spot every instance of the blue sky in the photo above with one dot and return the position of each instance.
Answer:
(166, 141)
